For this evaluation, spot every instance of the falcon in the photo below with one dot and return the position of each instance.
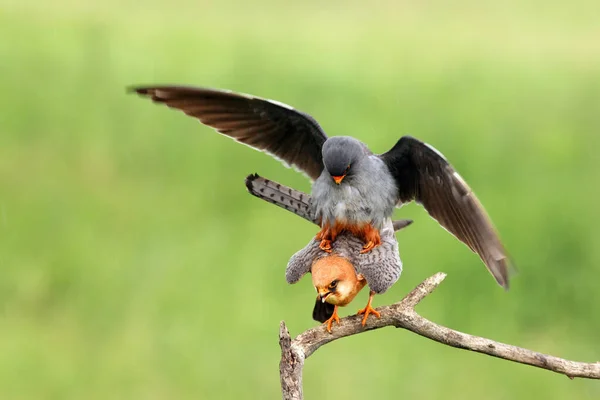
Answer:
(353, 190)
(340, 275)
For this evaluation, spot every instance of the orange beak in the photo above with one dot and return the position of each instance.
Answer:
(338, 179)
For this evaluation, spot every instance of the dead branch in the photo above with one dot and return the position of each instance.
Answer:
(403, 315)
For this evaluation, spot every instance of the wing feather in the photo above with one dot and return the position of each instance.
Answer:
(265, 125)
(422, 174)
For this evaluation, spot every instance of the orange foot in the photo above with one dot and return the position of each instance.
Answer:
(334, 317)
(325, 245)
(326, 235)
(368, 310)
(368, 247)
(371, 237)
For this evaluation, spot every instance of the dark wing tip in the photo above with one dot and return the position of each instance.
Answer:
(501, 274)
(249, 179)
(501, 269)
(504, 269)
(159, 94)
(322, 311)
(151, 92)
(141, 90)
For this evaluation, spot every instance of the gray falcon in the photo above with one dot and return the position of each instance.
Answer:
(340, 275)
(353, 190)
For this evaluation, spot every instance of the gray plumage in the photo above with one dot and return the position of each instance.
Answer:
(293, 200)
(381, 267)
(372, 184)
(368, 193)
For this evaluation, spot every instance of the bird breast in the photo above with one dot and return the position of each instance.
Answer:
(367, 196)
(344, 197)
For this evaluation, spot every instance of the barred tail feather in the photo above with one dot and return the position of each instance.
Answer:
(401, 223)
(291, 199)
(280, 195)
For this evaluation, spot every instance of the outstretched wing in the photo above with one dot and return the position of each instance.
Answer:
(423, 174)
(275, 128)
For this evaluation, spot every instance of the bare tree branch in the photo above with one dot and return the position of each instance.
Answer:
(290, 366)
(403, 315)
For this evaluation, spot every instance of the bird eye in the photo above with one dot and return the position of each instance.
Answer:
(347, 168)
(333, 283)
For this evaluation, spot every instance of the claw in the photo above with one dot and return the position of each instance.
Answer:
(325, 245)
(367, 247)
(367, 233)
(371, 237)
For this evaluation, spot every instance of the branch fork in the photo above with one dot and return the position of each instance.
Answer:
(403, 315)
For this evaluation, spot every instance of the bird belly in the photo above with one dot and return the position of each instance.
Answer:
(348, 212)
(340, 212)
(360, 202)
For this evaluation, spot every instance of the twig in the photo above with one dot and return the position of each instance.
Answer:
(403, 315)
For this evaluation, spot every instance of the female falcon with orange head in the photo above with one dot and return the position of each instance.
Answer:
(340, 275)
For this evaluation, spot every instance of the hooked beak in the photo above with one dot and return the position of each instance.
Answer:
(323, 296)
(339, 179)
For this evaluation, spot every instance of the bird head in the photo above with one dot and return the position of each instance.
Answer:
(335, 280)
(340, 154)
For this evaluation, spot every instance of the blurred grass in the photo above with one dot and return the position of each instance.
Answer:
(134, 265)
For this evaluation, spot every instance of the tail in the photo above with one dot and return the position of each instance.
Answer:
(322, 311)
(280, 195)
(291, 199)
(401, 223)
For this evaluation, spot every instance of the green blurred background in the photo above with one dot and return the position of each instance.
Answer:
(134, 265)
